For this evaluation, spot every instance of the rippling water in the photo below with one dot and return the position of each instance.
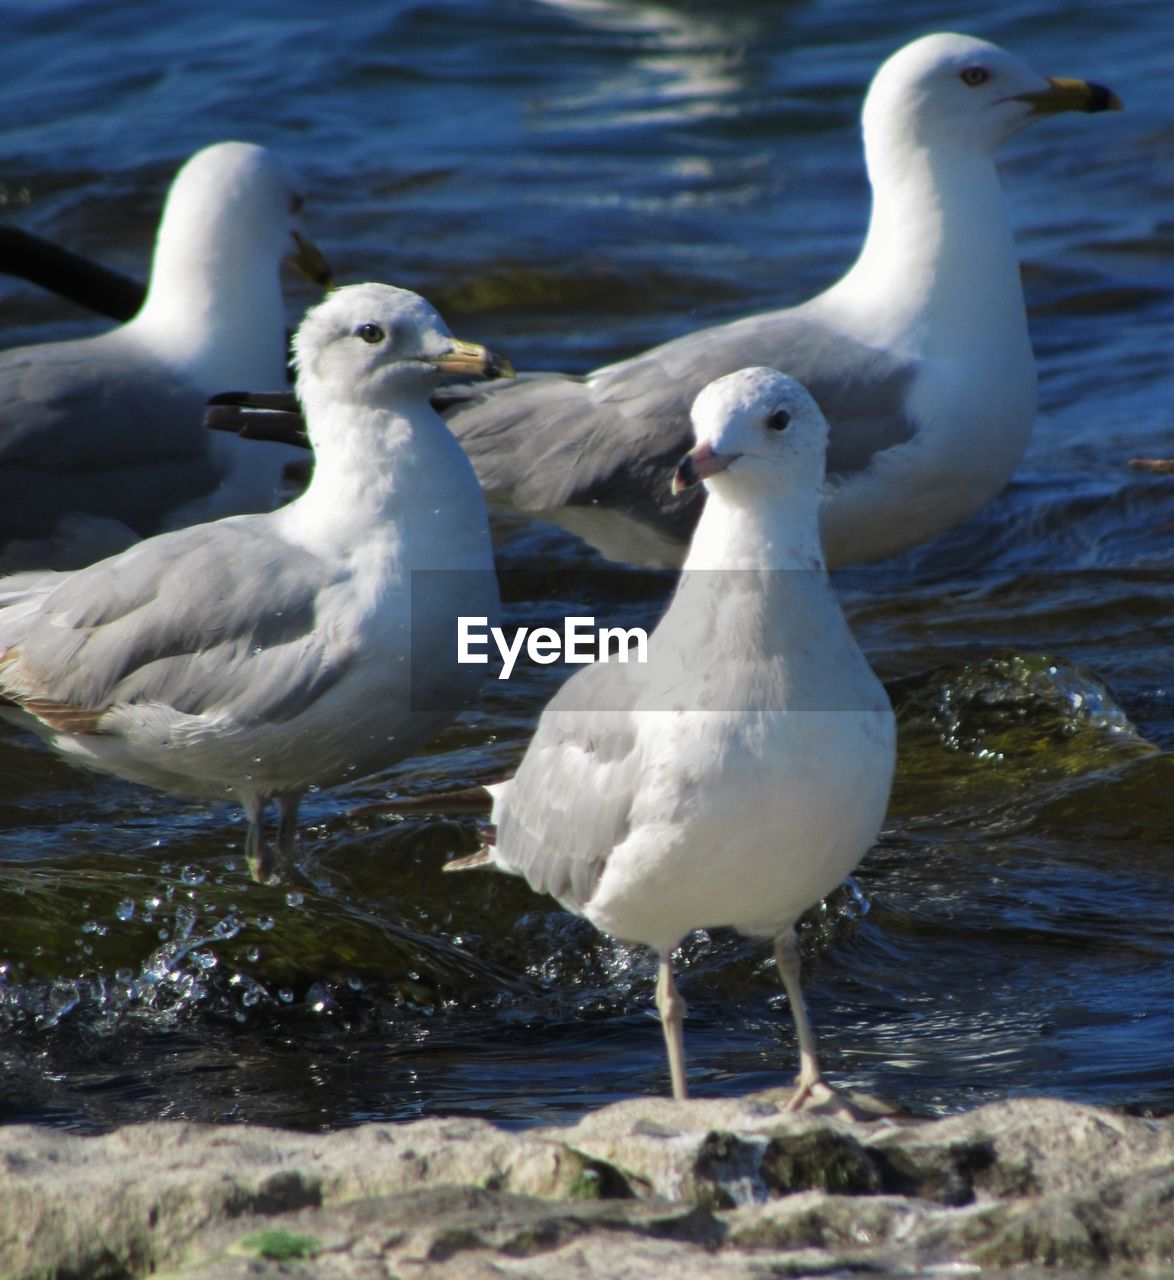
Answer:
(573, 182)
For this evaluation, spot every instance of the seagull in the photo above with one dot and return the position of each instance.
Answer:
(741, 773)
(919, 356)
(101, 438)
(259, 655)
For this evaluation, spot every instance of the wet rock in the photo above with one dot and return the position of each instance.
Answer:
(736, 1187)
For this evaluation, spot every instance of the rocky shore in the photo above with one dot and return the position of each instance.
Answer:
(732, 1188)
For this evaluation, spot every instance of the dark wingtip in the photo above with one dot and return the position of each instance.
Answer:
(282, 401)
(68, 274)
(232, 411)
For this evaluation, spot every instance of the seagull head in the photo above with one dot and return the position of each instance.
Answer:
(958, 92)
(375, 343)
(234, 203)
(756, 428)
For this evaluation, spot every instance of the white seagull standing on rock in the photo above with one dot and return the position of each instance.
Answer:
(919, 357)
(742, 772)
(260, 655)
(102, 439)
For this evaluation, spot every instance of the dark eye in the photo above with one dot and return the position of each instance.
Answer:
(371, 333)
(778, 420)
(974, 76)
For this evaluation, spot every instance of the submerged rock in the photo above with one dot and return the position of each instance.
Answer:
(735, 1187)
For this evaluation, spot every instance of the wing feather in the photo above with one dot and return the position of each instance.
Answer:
(613, 438)
(167, 622)
(571, 801)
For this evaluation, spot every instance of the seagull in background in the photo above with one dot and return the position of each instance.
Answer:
(102, 439)
(919, 356)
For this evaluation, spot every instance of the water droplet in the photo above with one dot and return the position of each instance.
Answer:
(294, 898)
(319, 997)
(265, 922)
(125, 909)
(193, 875)
(285, 995)
(253, 954)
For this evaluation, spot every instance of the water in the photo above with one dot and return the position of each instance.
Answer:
(573, 182)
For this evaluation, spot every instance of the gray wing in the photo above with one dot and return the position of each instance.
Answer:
(546, 441)
(85, 429)
(569, 804)
(217, 615)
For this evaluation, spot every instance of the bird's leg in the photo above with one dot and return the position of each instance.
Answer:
(671, 1008)
(287, 829)
(257, 852)
(809, 1084)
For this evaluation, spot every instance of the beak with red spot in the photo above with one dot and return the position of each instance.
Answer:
(699, 464)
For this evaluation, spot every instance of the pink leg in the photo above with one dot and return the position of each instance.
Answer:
(672, 1016)
(809, 1084)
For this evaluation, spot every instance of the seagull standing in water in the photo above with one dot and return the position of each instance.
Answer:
(259, 655)
(742, 772)
(102, 438)
(919, 356)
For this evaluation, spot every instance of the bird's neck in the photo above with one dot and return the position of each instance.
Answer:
(939, 247)
(752, 584)
(385, 473)
(224, 312)
(777, 529)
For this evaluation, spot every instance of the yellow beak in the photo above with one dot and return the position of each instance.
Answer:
(1071, 95)
(472, 357)
(310, 261)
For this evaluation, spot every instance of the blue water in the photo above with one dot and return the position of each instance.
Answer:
(573, 182)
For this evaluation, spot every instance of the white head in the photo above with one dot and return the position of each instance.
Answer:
(231, 206)
(376, 344)
(758, 431)
(954, 91)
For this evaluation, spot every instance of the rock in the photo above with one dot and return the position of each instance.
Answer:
(736, 1187)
